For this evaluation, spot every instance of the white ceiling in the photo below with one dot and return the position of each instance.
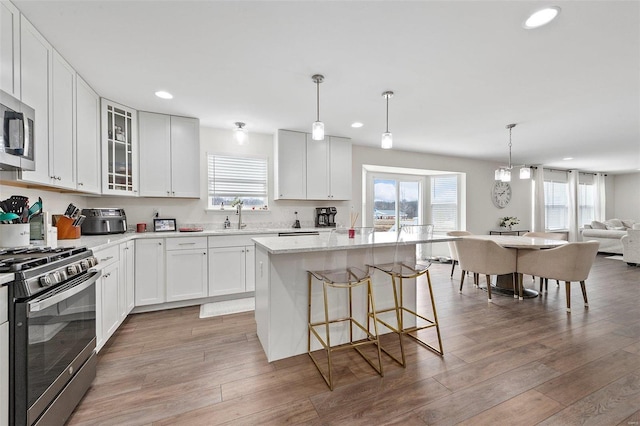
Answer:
(460, 70)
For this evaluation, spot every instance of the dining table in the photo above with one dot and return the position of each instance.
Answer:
(504, 283)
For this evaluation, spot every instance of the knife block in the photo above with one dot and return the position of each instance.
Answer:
(66, 231)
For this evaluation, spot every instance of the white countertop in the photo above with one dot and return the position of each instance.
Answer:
(313, 243)
(99, 242)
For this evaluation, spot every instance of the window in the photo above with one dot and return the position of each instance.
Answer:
(230, 177)
(396, 202)
(444, 203)
(556, 205)
(586, 203)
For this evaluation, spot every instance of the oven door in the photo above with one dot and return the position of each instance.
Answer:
(55, 339)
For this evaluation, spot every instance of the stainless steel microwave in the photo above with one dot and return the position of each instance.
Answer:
(17, 150)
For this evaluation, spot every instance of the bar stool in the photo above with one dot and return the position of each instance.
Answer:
(410, 264)
(344, 280)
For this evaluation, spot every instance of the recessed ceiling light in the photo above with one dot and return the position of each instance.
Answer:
(541, 17)
(567, 158)
(164, 95)
(356, 125)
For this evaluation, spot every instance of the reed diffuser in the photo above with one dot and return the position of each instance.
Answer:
(354, 217)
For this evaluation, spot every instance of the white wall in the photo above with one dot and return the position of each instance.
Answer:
(481, 215)
(625, 197)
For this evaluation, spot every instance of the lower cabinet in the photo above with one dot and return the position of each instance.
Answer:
(227, 270)
(127, 277)
(186, 268)
(232, 264)
(109, 287)
(149, 272)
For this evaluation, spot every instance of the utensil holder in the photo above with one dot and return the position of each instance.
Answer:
(66, 230)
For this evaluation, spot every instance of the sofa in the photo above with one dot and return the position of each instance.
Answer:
(631, 246)
(608, 233)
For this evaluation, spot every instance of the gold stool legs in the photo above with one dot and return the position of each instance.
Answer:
(370, 339)
(412, 331)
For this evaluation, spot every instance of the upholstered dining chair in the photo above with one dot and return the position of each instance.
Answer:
(452, 248)
(485, 257)
(549, 236)
(569, 263)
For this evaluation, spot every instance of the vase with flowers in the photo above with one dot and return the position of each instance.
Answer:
(508, 221)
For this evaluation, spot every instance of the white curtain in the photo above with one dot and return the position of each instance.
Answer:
(537, 222)
(600, 198)
(572, 188)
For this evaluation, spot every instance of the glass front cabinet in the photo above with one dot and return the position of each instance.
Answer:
(119, 149)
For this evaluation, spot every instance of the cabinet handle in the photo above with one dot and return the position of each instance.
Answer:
(80, 184)
(173, 193)
(204, 254)
(107, 275)
(167, 192)
(104, 260)
(186, 244)
(247, 250)
(159, 244)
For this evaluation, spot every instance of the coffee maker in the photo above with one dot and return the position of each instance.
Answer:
(326, 217)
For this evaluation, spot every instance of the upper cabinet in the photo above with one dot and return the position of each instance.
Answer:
(36, 62)
(329, 169)
(169, 155)
(119, 149)
(87, 138)
(290, 165)
(61, 144)
(312, 170)
(10, 49)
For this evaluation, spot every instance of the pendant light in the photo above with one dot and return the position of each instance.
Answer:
(317, 129)
(504, 173)
(240, 134)
(387, 137)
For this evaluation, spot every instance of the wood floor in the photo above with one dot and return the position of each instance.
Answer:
(509, 363)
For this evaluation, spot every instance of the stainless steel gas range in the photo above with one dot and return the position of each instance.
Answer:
(52, 331)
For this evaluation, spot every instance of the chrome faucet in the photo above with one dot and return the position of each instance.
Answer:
(239, 213)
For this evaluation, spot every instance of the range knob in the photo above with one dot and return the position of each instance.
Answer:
(92, 261)
(84, 265)
(72, 270)
(45, 281)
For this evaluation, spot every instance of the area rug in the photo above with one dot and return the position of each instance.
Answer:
(227, 307)
(617, 257)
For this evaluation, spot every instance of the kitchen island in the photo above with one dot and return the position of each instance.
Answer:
(282, 292)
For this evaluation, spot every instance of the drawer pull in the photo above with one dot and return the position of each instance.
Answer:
(186, 244)
(108, 258)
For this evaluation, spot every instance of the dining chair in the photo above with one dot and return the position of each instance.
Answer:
(452, 248)
(549, 236)
(411, 261)
(569, 263)
(338, 277)
(485, 257)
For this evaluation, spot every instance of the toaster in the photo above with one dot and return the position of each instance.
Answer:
(103, 221)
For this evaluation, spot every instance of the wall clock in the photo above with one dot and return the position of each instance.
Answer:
(501, 194)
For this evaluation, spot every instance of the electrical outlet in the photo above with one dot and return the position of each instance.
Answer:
(156, 212)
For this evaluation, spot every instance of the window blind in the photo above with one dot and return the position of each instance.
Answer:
(242, 177)
(444, 202)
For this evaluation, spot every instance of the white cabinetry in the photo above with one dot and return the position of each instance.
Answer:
(127, 277)
(169, 155)
(36, 61)
(108, 294)
(4, 357)
(9, 49)
(119, 149)
(305, 169)
(290, 168)
(232, 264)
(186, 268)
(87, 138)
(329, 169)
(149, 272)
(61, 144)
